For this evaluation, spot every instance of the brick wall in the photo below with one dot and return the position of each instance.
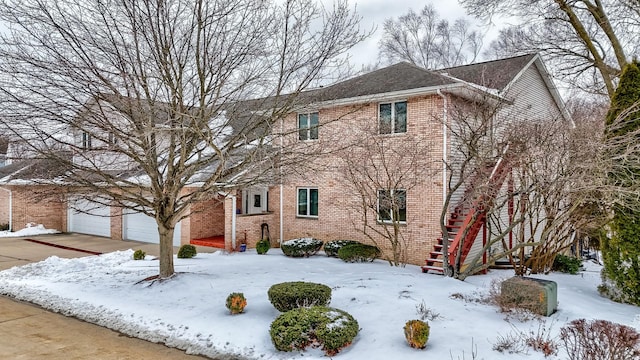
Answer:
(35, 204)
(207, 219)
(339, 215)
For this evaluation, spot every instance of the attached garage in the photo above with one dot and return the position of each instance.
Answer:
(140, 227)
(85, 217)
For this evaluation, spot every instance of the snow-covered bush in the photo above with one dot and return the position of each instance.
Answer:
(290, 295)
(303, 247)
(417, 333)
(187, 251)
(331, 248)
(330, 328)
(358, 253)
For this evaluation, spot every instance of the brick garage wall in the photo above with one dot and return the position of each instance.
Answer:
(337, 217)
(39, 205)
(4, 206)
(207, 219)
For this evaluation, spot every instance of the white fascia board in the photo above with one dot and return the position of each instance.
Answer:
(392, 95)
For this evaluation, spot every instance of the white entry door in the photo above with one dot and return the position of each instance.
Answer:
(140, 227)
(85, 217)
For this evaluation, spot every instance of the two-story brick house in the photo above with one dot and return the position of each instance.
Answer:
(398, 103)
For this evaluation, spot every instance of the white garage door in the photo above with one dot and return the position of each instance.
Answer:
(89, 218)
(140, 227)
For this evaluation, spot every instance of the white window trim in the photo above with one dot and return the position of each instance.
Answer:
(308, 189)
(393, 117)
(391, 221)
(307, 128)
(86, 141)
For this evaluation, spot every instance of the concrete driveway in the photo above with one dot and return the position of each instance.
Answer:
(29, 332)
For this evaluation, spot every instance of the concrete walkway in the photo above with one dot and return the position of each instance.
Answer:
(29, 332)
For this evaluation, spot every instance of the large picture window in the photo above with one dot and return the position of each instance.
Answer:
(308, 126)
(392, 205)
(308, 202)
(393, 117)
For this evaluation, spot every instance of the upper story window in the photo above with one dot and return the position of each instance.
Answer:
(308, 126)
(392, 205)
(393, 117)
(86, 141)
(308, 202)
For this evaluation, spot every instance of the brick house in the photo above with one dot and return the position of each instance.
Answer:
(397, 103)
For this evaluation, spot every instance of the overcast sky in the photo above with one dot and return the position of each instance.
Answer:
(374, 12)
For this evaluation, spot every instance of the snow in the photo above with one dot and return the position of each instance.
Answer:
(30, 230)
(188, 311)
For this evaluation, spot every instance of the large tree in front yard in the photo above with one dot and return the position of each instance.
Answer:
(152, 93)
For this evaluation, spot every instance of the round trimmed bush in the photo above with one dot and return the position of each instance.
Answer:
(236, 303)
(139, 255)
(358, 253)
(263, 246)
(330, 328)
(187, 251)
(291, 295)
(303, 247)
(331, 248)
(417, 333)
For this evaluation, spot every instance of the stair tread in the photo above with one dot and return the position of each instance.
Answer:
(434, 268)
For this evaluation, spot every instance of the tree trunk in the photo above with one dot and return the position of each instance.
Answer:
(166, 251)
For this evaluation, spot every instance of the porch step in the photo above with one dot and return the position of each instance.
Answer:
(427, 268)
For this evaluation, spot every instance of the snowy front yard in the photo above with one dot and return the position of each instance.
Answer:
(188, 312)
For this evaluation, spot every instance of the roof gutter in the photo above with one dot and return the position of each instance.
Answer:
(10, 207)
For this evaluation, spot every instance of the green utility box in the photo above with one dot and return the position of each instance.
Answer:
(537, 295)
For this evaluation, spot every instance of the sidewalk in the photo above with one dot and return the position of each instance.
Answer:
(29, 332)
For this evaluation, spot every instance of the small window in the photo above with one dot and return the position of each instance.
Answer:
(257, 200)
(308, 202)
(86, 141)
(392, 205)
(308, 126)
(393, 118)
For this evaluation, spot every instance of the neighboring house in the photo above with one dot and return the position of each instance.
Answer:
(399, 102)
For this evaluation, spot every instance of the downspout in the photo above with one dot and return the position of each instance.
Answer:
(10, 208)
(281, 185)
(444, 145)
(233, 222)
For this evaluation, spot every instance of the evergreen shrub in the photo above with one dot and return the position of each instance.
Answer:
(417, 333)
(290, 295)
(332, 329)
(187, 251)
(303, 247)
(566, 264)
(263, 246)
(358, 253)
(236, 303)
(139, 255)
(331, 248)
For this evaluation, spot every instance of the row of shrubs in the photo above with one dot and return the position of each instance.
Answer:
(186, 251)
(347, 250)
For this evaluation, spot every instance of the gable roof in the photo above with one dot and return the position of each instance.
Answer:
(495, 74)
(398, 77)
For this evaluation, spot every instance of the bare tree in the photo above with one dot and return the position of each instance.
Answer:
(587, 42)
(385, 172)
(149, 96)
(426, 40)
(523, 179)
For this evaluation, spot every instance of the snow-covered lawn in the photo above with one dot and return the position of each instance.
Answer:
(188, 311)
(29, 230)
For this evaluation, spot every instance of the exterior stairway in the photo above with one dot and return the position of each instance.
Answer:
(465, 221)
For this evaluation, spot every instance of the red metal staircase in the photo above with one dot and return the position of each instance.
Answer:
(466, 220)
